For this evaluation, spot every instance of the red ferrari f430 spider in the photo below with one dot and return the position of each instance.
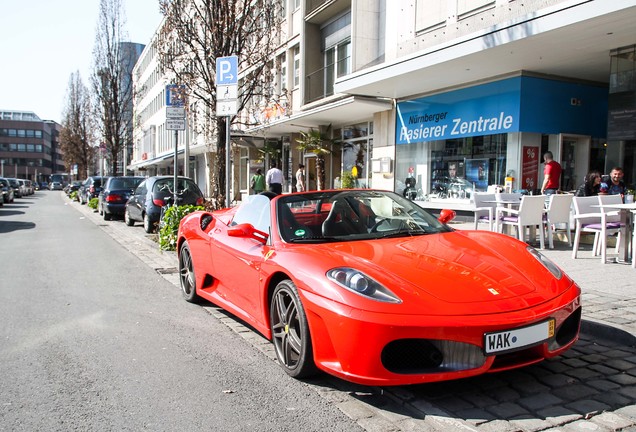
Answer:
(369, 287)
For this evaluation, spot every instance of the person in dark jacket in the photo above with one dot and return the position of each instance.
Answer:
(591, 185)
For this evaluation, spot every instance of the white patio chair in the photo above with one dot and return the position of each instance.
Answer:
(530, 214)
(558, 212)
(589, 218)
(612, 216)
(484, 211)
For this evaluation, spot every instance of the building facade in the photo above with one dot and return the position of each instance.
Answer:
(29, 146)
(458, 94)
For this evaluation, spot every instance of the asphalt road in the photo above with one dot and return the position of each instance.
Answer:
(91, 338)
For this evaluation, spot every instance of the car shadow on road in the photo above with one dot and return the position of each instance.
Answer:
(9, 226)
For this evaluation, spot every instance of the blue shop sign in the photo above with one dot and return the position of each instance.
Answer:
(512, 105)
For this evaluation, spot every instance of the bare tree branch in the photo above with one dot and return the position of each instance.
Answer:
(195, 33)
(77, 136)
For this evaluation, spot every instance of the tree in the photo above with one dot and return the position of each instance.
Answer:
(197, 32)
(320, 144)
(112, 81)
(76, 136)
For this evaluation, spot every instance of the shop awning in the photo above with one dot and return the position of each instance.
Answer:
(347, 110)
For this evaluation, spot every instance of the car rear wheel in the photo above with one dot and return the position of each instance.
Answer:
(107, 216)
(186, 275)
(290, 332)
(149, 227)
(127, 218)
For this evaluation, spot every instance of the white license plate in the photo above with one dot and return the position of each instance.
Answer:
(510, 340)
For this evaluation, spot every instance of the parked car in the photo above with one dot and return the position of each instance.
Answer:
(44, 185)
(91, 188)
(7, 190)
(372, 288)
(15, 184)
(115, 193)
(151, 194)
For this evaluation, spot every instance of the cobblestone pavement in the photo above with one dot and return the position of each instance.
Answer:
(590, 388)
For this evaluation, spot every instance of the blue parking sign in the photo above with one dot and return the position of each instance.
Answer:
(227, 70)
(175, 95)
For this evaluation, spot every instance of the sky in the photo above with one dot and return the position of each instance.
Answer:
(44, 41)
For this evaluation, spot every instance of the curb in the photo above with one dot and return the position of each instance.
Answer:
(606, 332)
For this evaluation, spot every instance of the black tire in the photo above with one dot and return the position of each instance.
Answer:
(149, 227)
(290, 332)
(107, 216)
(187, 279)
(127, 218)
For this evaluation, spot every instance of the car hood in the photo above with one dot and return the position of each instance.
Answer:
(475, 271)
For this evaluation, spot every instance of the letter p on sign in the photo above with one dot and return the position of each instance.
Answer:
(227, 70)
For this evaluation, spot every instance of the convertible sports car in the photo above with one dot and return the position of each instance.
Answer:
(369, 287)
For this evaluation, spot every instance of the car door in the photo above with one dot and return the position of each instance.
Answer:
(237, 260)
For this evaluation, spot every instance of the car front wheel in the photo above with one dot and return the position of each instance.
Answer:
(187, 279)
(290, 332)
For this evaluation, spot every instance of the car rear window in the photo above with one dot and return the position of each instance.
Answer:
(163, 187)
(124, 183)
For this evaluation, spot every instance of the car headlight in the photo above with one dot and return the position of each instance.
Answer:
(361, 284)
(547, 262)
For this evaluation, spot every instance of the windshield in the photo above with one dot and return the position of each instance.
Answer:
(352, 215)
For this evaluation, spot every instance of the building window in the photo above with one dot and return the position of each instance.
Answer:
(337, 64)
(296, 66)
(282, 78)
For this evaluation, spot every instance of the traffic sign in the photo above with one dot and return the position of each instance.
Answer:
(173, 112)
(175, 124)
(226, 108)
(226, 70)
(227, 92)
(175, 95)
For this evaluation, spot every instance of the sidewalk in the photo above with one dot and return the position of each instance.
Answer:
(608, 291)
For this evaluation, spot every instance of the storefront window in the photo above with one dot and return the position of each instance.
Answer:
(451, 169)
(356, 150)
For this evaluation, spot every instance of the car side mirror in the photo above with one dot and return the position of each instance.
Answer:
(248, 231)
(446, 216)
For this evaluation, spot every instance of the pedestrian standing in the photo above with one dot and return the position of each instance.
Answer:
(300, 178)
(274, 178)
(258, 182)
(551, 175)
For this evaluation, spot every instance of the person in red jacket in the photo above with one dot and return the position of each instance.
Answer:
(551, 175)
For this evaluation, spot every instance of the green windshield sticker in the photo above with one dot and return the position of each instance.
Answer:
(299, 232)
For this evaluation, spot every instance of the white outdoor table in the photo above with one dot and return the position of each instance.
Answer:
(625, 213)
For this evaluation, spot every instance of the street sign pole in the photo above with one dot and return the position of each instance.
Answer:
(175, 120)
(226, 105)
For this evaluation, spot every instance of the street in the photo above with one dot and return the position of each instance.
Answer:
(98, 338)
(94, 339)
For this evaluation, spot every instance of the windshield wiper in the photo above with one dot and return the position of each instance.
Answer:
(403, 233)
(315, 239)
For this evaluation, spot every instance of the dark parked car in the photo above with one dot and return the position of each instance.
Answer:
(146, 202)
(91, 188)
(115, 193)
(7, 190)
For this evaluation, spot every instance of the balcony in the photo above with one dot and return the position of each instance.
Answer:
(319, 84)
